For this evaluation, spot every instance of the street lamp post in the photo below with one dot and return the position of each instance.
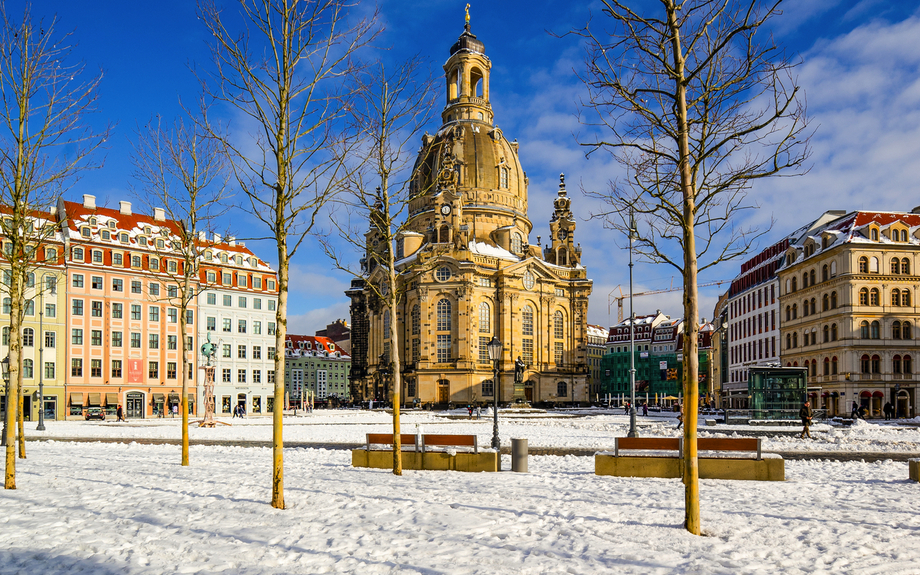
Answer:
(41, 371)
(632, 335)
(495, 354)
(5, 366)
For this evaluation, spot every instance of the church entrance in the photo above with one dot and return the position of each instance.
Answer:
(528, 391)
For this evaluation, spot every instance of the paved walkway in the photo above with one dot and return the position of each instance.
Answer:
(868, 456)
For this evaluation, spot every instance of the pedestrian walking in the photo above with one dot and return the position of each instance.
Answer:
(469, 408)
(626, 408)
(680, 417)
(805, 415)
(645, 410)
(478, 412)
(887, 409)
(119, 414)
(854, 414)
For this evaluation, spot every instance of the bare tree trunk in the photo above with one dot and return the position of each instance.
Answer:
(278, 403)
(22, 432)
(183, 363)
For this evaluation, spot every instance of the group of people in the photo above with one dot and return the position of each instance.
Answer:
(239, 411)
(478, 409)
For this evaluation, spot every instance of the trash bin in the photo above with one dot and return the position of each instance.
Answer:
(519, 455)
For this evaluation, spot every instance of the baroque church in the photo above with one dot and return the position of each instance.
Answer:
(469, 270)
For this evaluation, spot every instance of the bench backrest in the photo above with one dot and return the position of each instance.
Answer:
(654, 443)
(729, 444)
(451, 441)
(387, 439)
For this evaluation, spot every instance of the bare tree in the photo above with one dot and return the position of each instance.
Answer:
(44, 145)
(696, 103)
(286, 74)
(184, 170)
(390, 110)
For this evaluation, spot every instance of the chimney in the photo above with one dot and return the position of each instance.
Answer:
(124, 208)
(232, 241)
(159, 214)
(217, 238)
(89, 202)
(202, 235)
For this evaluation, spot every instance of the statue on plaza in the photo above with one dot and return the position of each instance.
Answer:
(519, 370)
(209, 351)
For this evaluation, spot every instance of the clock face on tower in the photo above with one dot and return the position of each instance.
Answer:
(445, 210)
(562, 235)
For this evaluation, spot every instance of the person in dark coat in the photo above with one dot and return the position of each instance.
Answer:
(855, 412)
(887, 409)
(644, 410)
(805, 415)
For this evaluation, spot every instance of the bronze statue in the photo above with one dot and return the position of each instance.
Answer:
(519, 370)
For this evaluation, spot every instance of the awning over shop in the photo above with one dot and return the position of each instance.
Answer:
(76, 399)
(111, 399)
(878, 394)
(158, 397)
(191, 398)
(865, 394)
(95, 399)
(173, 398)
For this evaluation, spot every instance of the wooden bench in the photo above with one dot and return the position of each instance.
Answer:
(711, 464)
(450, 441)
(420, 457)
(387, 439)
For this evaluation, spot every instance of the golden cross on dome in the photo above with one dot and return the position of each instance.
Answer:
(467, 13)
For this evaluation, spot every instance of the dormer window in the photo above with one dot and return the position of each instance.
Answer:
(239, 260)
(112, 224)
(85, 232)
(208, 256)
(873, 234)
(123, 237)
(106, 235)
(160, 244)
(141, 241)
(92, 221)
(223, 258)
(147, 230)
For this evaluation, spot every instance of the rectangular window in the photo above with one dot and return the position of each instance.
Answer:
(135, 340)
(226, 350)
(271, 353)
(172, 315)
(50, 310)
(96, 281)
(211, 323)
(172, 342)
(415, 350)
(228, 300)
(116, 339)
(227, 324)
(257, 376)
(135, 312)
(118, 259)
(76, 337)
(95, 337)
(225, 375)
(527, 351)
(241, 376)
(241, 352)
(241, 326)
(227, 279)
(242, 301)
(77, 281)
(136, 263)
(136, 285)
(118, 285)
(171, 370)
(95, 368)
(154, 289)
(271, 305)
(271, 285)
(116, 368)
(271, 328)
(484, 349)
(49, 370)
(558, 353)
(77, 307)
(153, 341)
(173, 266)
(117, 310)
(153, 370)
(76, 367)
(50, 338)
(257, 327)
(212, 299)
(256, 303)
(154, 313)
(488, 388)
(444, 348)
(96, 309)
(189, 317)
(256, 352)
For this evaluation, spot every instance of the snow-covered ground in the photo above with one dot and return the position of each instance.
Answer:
(106, 508)
(551, 429)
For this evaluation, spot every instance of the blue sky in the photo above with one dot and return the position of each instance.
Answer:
(860, 71)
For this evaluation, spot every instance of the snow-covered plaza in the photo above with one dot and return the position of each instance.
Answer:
(93, 507)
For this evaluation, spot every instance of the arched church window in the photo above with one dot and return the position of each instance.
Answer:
(485, 317)
(416, 319)
(516, 243)
(444, 315)
(503, 178)
(386, 324)
(558, 325)
(527, 320)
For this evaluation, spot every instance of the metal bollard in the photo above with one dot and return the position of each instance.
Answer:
(519, 455)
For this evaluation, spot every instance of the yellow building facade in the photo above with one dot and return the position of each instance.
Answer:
(470, 271)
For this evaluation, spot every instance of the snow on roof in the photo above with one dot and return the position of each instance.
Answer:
(484, 249)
